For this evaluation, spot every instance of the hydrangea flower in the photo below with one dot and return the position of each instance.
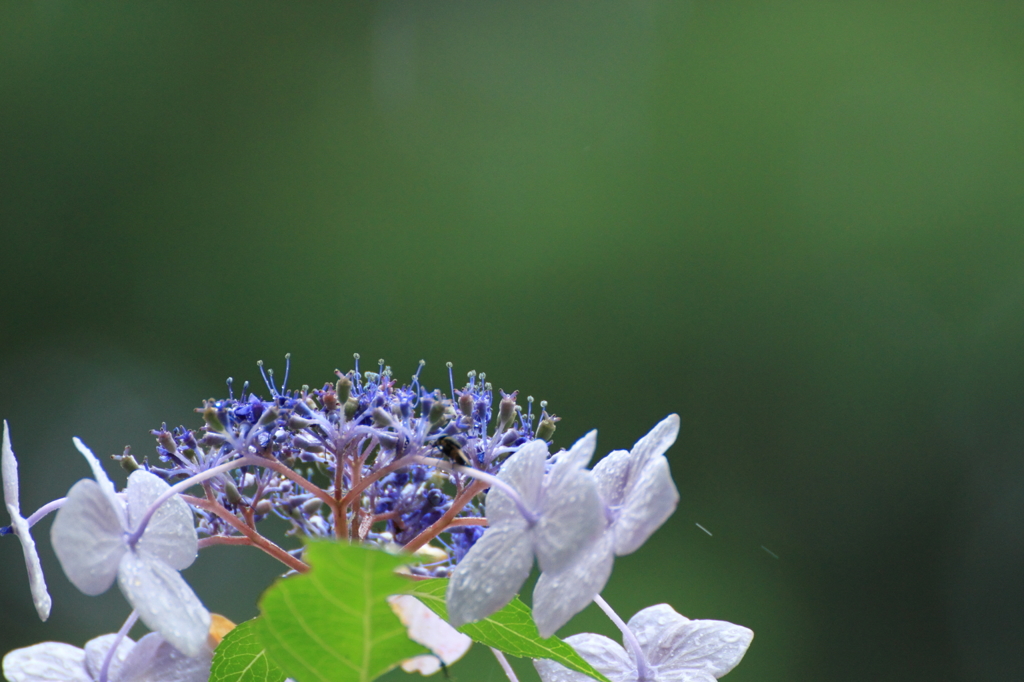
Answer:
(90, 537)
(20, 527)
(152, 659)
(562, 516)
(638, 495)
(674, 649)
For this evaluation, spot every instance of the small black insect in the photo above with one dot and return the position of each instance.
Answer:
(452, 451)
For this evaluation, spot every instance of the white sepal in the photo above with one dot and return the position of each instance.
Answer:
(36, 581)
(88, 538)
(46, 662)
(165, 602)
(490, 575)
(155, 660)
(171, 533)
(96, 651)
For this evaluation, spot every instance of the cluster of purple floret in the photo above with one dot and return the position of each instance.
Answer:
(361, 422)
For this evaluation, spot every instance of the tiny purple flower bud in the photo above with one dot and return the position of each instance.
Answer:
(343, 387)
(507, 408)
(437, 411)
(466, 404)
(213, 422)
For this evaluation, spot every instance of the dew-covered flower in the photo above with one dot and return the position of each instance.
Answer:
(638, 495)
(562, 516)
(674, 649)
(427, 628)
(91, 539)
(151, 659)
(20, 527)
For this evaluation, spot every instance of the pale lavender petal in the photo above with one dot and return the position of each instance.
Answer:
(96, 651)
(712, 647)
(650, 625)
(36, 582)
(524, 471)
(154, 660)
(88, 538)
(651, 499)
(171, 533)
(612, 474)
(490, 574)
(580, 454)
(607, 656)
(9, 473)
(571, 517)
(560, 596)
(165, 602)
(654, 444)
(46, 662)
(568, 463)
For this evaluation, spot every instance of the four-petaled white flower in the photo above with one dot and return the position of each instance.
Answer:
(36, 582)
(567, 517)
(675, 649)
(152, 659)
(90, 537)
(638, 495)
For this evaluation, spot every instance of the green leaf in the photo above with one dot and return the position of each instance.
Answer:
(241, 658)
(334, 623)
(510, 630)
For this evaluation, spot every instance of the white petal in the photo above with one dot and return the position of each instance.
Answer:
(171, 533)
(612, 474)
(490, 575)
(9, 472)
(650, 500)
(713, 647)
(524, 471)
(96, 651)
(46, 662)
(655, 443)
(424, 664)
(604, 654)
(426, 628)
(571, 517)
(165, 602)
(36, 582)
(560, 596)
(155, 660)
(88, 538)
(100, 475)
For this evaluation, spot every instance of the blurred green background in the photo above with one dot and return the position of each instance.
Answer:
(798, 225)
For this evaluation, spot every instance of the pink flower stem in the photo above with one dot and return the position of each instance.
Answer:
(255, 538)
